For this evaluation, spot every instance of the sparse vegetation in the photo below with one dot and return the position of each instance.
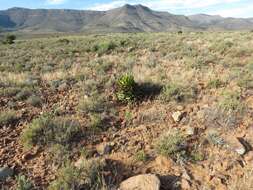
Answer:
(171, 145)
(104, 47)
(244, 182)
(23, 94)
(215, 83)
(46, 130)
(35, 101)
(172, 92)
(87, 176)
(177, 93)
(231, 101)
(8, 117)
(23, 183)
(95, 122)
(141, 156)
(94, 104)
(73, 96)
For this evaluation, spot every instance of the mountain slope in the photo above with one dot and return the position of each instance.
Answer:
(218, 22)
(46, 20)
(139, 18)
(128, 18)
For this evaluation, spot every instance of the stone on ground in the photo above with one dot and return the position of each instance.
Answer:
(141, 182)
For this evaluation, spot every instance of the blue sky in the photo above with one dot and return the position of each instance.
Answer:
(226, 8)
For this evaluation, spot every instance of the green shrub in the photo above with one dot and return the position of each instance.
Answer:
(23, 183)
(64, 40)
(8, 117)
(141, 156)
(172, 92)
(45, 130)
(9, 92)
(231, 101)
(245, 81)
(95, 122)
(178, 93)
(171, 144)
(215, 83)
(104, 47)
(92, 104)
(87, 176)
(9, 39)
(59, 154)
(126, 88)
(35, 101)
(23, 94)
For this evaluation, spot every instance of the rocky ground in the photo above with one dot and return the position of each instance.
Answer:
(64, 124)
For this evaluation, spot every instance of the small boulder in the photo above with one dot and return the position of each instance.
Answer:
(5, 172)
(178, 116)
(190, 131)
(63, 86)
(249, 157)
(141, 182)
(235, 145)
(185, 184)
(104, 148)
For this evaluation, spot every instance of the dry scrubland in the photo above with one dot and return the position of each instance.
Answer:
(87, 112)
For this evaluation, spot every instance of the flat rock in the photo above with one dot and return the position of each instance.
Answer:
(5, 172)
(141, 182)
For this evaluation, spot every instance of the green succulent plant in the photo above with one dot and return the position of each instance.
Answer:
(126, 87)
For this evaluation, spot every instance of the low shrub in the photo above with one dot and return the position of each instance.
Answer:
(59, 154)
(23, 94)
(172, 92)
(94, 104)
(215, 83)
(87, 176)
(9, 92)
(141, 156)
(104, 47)
(171, 145)
(95, 122)
(8, 117)
(35, 101)
(9, 39)
(245, 81)
(178, 93)
(45, 130)
(231, 101)
(23, 183)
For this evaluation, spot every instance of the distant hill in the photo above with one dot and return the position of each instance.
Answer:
(129, 18)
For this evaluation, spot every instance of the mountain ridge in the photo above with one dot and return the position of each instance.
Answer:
(128, 18)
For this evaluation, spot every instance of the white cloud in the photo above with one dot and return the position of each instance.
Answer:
(55, 2)
(163, 4)
(243, 11)
(108, 6)
(186, 6)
